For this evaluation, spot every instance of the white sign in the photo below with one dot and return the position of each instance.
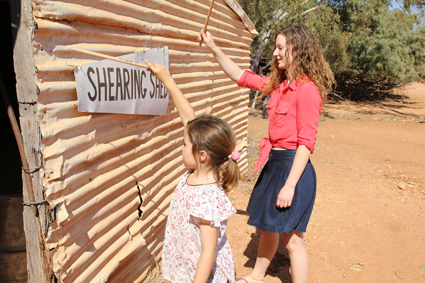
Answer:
(112, 87)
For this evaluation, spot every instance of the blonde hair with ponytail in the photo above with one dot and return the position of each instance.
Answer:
(214, 136)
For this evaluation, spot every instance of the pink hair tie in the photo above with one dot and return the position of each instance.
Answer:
(235, 156)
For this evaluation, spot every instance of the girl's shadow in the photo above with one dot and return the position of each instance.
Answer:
(279, 267)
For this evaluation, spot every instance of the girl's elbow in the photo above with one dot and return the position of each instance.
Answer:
(209, 251)
(237, 75)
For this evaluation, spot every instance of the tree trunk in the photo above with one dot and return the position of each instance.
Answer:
(257, 58)
(278, 15)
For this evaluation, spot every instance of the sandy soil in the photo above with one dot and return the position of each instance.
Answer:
(368, 223)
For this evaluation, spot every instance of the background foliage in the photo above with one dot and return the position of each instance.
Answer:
(372, 46)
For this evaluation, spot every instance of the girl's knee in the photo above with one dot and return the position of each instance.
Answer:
(294, 242)
(294, 247)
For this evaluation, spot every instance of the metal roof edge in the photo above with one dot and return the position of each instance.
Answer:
(234, 5)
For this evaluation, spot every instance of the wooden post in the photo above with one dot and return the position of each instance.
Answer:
(35, 226)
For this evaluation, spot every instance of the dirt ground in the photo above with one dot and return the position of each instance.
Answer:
(368, 222)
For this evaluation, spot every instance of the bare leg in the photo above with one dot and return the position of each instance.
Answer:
(266, 250)
(298, 256)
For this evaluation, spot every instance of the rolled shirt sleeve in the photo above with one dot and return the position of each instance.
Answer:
(308, 105)
(252, 81)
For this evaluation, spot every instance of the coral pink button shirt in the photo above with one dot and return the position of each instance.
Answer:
(293, 114)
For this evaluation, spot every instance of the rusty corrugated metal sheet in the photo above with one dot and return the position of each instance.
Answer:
(108, 177)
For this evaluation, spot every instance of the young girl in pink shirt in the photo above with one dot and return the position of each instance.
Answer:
(196, 248)
(283, 197)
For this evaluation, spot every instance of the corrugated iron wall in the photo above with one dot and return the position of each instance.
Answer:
(109, 178)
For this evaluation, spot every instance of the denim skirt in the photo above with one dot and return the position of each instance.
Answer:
(262, 205)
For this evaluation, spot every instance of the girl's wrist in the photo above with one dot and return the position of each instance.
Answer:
(214, 49)
(169, 81)
(289, 186)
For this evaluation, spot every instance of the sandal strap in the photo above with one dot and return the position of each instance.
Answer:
(258, 280)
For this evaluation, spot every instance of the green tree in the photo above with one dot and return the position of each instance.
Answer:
(386, 49)
(408, 4)
(370, 47)
(326, 26)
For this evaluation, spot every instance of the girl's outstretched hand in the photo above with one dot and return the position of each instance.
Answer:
(182, 104)
(207, 38)
(160, 71)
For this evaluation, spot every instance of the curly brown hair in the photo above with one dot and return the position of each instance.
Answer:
(307, 58)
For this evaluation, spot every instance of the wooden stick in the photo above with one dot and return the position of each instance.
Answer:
(208, 18)
(108, 57)
(20, 142)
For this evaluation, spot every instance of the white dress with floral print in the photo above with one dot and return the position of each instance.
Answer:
(182, 243)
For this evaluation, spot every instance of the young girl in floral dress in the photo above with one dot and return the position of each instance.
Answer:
(196, 248)
(283, 197)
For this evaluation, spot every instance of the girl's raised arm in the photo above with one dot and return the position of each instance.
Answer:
(183, 106)
(228, 66)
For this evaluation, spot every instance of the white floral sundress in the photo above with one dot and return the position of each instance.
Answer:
(182, 242)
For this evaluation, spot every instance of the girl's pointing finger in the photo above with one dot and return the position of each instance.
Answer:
(149, 64)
